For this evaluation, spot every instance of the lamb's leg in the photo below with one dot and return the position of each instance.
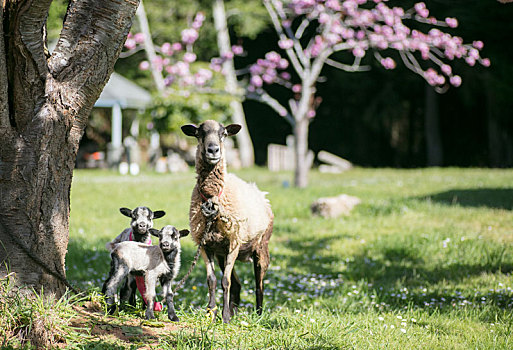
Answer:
(168, 296)
(230, 262)
(150, 282)
(128, 291)
(260, 264)
(235, 288)
(118, 271)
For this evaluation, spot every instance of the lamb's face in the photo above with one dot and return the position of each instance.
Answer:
(210, 135)
(169, 237)
(142, 218)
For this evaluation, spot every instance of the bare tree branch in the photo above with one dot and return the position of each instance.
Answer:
(33, 16)
(25, 58)
(264, 97)
(279, 30)
(355, 67)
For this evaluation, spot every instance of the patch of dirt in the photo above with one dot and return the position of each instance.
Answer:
(96, 326)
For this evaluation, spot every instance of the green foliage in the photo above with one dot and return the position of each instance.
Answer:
(248, 18)
(29, 320)
(424, 262)
(55, 19)
(181, 107)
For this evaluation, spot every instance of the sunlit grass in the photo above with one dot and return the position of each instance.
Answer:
(423, 263)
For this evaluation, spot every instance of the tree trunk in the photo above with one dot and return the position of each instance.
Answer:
(302, 161)
(149, 48)
(45, 102)
(432, 128)
(223, 42)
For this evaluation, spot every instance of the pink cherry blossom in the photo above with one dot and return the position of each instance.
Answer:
(166, 49)
(486, 62)
(130, 44)
(478, 44)
(139, 38)
(285, 44)
(388, 63)
(237, 49)
(256, 81)
(189, 57)
(451, 22)
(176, 47)
(144, 65)
(189, 36)
(455, 80)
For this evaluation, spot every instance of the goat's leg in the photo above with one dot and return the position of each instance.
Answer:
(127, 292)
(235, 287)
(226, 282)
(168, 296)
(149, 296)
(260, 264)
(118, 271)
(211, 281)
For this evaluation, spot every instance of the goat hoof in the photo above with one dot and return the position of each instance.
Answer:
(174, 318)
(211, 313)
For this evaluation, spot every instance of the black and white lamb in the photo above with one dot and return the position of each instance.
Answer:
(160, 262)
(139, 231)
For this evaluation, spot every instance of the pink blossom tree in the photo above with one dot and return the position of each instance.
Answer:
(342, 34)
(312, 32)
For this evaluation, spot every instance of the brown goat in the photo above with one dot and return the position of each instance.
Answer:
(240, 215)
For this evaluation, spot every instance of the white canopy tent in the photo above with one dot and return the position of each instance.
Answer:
(119, 94)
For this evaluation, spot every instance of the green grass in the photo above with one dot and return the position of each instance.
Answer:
(424, 262)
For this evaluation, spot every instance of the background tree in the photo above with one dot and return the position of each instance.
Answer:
(45, 102)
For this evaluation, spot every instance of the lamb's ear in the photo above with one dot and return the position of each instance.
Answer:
(158, 214)
(233, 129)
(154, 232)
(184, 233)
(126, 212)
(190, 130)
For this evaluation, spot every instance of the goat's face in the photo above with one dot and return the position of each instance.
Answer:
(169, 237)
(210, 135)
(142, 218)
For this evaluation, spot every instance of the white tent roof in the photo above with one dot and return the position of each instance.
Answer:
(123, 92)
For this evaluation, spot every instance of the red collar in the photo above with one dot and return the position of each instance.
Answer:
(131, 237)
(205, 198)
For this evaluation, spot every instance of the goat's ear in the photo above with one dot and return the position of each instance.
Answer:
(154, 232)
(126, 212)
(232, 129)
(190, 130)
(158, 214)
(184, 233)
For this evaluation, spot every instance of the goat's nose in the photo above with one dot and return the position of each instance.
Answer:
(213, 149)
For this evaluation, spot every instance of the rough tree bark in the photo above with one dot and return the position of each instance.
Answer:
(223, 42)
(45, 102)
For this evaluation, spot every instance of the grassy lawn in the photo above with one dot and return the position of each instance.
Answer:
(424, 262)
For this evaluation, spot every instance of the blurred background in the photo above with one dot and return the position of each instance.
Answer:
(378, 118)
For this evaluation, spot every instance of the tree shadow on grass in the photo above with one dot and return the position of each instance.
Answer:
(496, 198)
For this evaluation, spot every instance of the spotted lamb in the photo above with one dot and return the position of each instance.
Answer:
(160, 262)
(139, 231)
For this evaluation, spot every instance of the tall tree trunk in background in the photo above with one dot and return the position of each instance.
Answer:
(149, 48)
(223, 42)
(432, 128)
(45, 103)
(302, 161)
